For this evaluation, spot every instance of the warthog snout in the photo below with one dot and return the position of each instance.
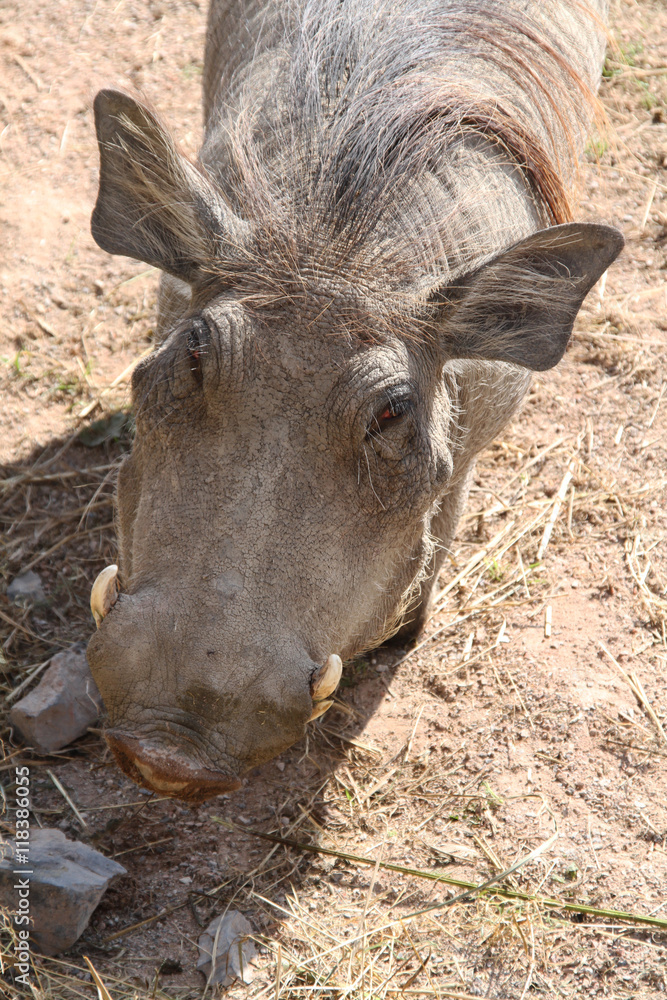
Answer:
(192, 703)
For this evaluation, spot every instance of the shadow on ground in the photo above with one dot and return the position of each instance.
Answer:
(185, 864)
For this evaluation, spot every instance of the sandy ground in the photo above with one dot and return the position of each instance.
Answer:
(456, 758)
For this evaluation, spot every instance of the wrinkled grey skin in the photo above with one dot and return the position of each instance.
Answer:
(265, 518)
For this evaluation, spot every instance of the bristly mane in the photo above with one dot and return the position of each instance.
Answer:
(337, 141)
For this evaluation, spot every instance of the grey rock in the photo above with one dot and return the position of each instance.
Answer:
(62, 706)
(234, 951)
(65, 881)
(26, 589)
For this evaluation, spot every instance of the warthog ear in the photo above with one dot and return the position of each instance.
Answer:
(520, 306)
(153, 204)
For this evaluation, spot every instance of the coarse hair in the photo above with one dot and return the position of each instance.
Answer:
(337, 141)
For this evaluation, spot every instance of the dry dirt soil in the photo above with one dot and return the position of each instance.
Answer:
(457, 758)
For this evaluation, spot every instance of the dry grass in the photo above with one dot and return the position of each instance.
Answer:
(56, 513)
(366, 939)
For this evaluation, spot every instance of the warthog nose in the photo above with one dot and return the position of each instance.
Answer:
(167, 770)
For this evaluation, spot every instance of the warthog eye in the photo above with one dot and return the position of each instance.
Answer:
(392, 412)
(198, 339)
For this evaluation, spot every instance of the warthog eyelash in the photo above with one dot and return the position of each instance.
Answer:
(198, 340)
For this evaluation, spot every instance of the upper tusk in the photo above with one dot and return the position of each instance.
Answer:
(104, 594)
(326, 679)
(319, 709)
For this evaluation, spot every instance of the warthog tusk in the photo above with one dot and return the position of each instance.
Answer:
(326, 679)
(319, 709)
(104, 593)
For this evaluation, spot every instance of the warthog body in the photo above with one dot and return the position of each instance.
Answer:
(372, 252)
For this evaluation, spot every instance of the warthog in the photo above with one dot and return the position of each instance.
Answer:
(370, 255)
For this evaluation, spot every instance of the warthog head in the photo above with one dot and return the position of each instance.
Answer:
(295, 433)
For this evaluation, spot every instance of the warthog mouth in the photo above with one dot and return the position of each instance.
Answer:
(166, 770)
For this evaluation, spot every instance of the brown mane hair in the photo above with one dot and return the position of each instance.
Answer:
(332, 140)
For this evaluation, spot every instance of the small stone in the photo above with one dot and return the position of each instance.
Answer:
(26, 589)
(170, 967)
(233, 953)
(62, 706)
(65, 881)
(454, 852)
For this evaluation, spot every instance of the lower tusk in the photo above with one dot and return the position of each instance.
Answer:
(326, 679)
(319, 709)
(104, 594)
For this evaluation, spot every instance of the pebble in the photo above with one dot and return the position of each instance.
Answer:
(66, 880)
(62, 706)
(26, 589)
(231, 961)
